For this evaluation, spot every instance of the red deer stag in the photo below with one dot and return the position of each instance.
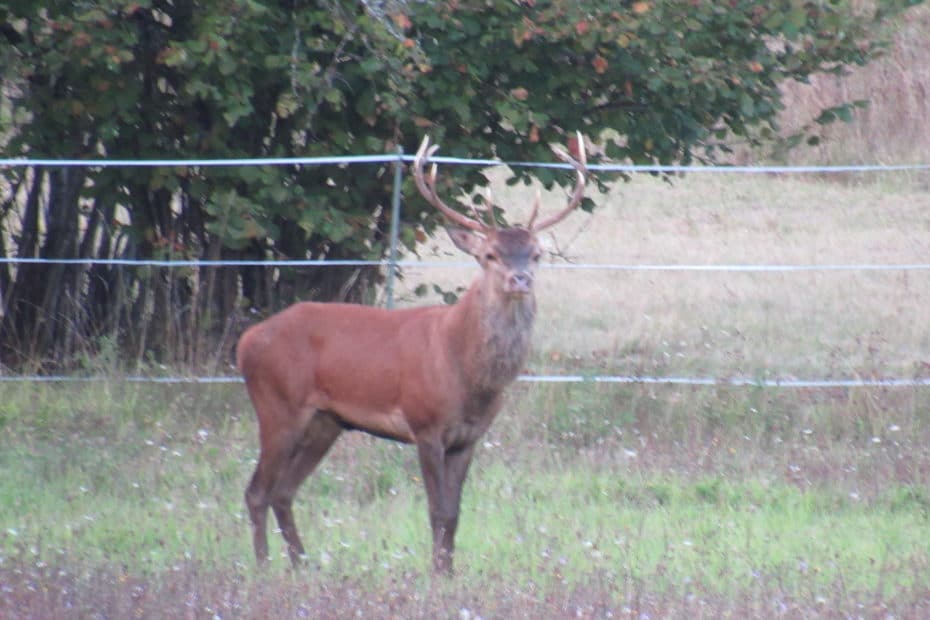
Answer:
(430, 376)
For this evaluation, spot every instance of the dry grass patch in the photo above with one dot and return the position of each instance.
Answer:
(809, 324)
(892, 129)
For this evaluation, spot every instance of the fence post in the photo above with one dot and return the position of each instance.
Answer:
(395, 226)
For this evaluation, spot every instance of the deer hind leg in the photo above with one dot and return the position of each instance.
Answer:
(287, 456)
(273, 456)
(320, 434)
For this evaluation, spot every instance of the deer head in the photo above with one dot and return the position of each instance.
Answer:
(508, 256)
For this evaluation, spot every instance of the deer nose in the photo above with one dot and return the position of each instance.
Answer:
(520, 282)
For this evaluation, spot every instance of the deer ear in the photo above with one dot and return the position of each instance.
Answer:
(465, 240)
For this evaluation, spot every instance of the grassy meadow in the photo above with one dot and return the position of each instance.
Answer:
(585, 500)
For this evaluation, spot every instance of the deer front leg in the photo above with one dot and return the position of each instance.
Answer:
(444, 475)
(457, 462)
(442, 513)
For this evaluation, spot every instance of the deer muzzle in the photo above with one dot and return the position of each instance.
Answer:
(519, 283)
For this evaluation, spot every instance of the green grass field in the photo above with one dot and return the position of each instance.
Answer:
(108, 493)
(585, 500)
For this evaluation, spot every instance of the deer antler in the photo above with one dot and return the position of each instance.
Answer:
(427, 187)
(581, 167)
(536, 203)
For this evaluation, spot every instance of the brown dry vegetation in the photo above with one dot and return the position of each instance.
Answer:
(894, 127)
(191, 592)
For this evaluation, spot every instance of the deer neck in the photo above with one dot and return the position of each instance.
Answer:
(500, 331)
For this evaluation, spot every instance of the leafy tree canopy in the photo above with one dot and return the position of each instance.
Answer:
(664, 81)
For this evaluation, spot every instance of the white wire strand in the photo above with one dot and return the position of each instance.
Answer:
(760, 268)
(388, 158)
(614, 379)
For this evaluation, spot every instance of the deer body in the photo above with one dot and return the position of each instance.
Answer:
(392, 373)
(431, 376)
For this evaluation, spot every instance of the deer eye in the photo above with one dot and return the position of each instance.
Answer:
(490, 257)
(536, 258)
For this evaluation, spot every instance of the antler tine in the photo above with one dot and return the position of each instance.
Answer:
(428, 188)
(536, 203)
(581, 167)
(489, 213)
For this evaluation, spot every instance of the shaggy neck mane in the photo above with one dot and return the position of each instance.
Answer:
(504, 330)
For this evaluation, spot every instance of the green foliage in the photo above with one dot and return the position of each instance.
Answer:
(672, 80)
(669, 81)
